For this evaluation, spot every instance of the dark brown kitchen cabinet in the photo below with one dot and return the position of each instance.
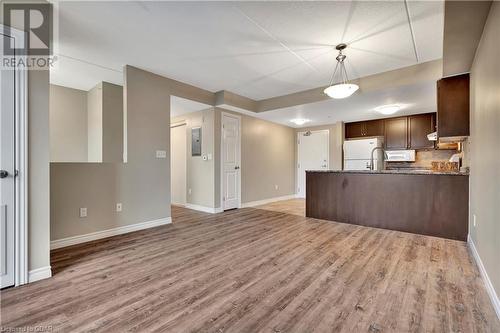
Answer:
(354, 130)
(418, 127)
(374, 127)
(396, 133)
(364, 128)
(453, 106)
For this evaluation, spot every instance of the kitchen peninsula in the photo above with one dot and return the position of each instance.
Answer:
(422, 202)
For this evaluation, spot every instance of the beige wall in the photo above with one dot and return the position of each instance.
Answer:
(38, 170)
(267, 158)
(200, 173)
(485, 151)
(68, 124)
(142, 185)
(112, 122)
(94, 123)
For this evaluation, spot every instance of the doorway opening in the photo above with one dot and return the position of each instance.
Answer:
(178, 163)
(312, 154)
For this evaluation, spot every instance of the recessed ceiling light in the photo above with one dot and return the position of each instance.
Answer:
(300, 121)
(388, 109)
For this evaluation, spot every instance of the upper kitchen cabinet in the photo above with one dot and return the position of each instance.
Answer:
(396, 133)
(418, 127)
(364, 129)
(374, 127)
(354, 130)
(453, 106)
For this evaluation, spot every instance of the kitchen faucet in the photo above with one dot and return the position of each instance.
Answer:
(372, 167)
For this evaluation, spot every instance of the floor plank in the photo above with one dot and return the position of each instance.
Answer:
(265, 269)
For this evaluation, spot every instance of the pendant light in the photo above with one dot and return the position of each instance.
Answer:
(342, 88)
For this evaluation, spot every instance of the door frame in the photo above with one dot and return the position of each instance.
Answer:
(222, 157)
(298, 155)
(21, 165)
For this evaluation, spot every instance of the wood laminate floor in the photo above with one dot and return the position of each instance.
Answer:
(292, 206)
(255, 270)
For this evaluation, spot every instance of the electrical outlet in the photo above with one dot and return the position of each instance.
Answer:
(83, 212)
(189, 191)
(161, 154)
(119, 207)
(474, 223)
(276, 187)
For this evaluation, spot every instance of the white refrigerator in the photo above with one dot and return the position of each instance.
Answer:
(357, 154)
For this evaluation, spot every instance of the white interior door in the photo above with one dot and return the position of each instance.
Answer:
(312, 155)
(7, 167)
(231, 158)
(178, 164)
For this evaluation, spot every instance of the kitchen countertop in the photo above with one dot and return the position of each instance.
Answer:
(399, 172)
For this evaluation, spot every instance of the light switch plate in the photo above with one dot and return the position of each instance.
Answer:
(161, 154)
(83, 212)
(209, 156)
(119, 207)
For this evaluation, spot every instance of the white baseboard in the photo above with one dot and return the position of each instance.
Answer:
(204, 209)
(39, 274)
(266, 201)
(63, 242)
(487, 282)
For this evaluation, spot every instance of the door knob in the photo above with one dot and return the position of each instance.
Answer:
(236, 167)
(3, 174)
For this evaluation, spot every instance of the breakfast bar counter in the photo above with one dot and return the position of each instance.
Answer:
(421, 202)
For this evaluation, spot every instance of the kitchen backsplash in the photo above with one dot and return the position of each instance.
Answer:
(424, 158)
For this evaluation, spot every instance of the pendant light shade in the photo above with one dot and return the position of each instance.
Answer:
(341, 89)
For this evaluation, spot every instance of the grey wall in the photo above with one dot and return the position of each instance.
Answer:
(68, 124)
(112, 122)
(94, 123)
(142, 184)
(267, 158)
(484, 150)
(38, 169)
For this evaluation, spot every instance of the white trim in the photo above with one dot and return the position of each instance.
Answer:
(21, 165)
(63, 242)
(205, 209)
(266, 201)
(39, 274)
(298, 156)
(487, 282)
(222, 157)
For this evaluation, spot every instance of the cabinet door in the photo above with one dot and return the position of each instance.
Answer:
(396, 133)
(453, 106)
(354, 130)
(374, 127)
(418, 127)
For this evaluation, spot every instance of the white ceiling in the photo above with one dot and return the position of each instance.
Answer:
(413, 99)
(254, 49)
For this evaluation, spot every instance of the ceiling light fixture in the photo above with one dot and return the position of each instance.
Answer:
(300, 121)
(342, 88)
(388, 109)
